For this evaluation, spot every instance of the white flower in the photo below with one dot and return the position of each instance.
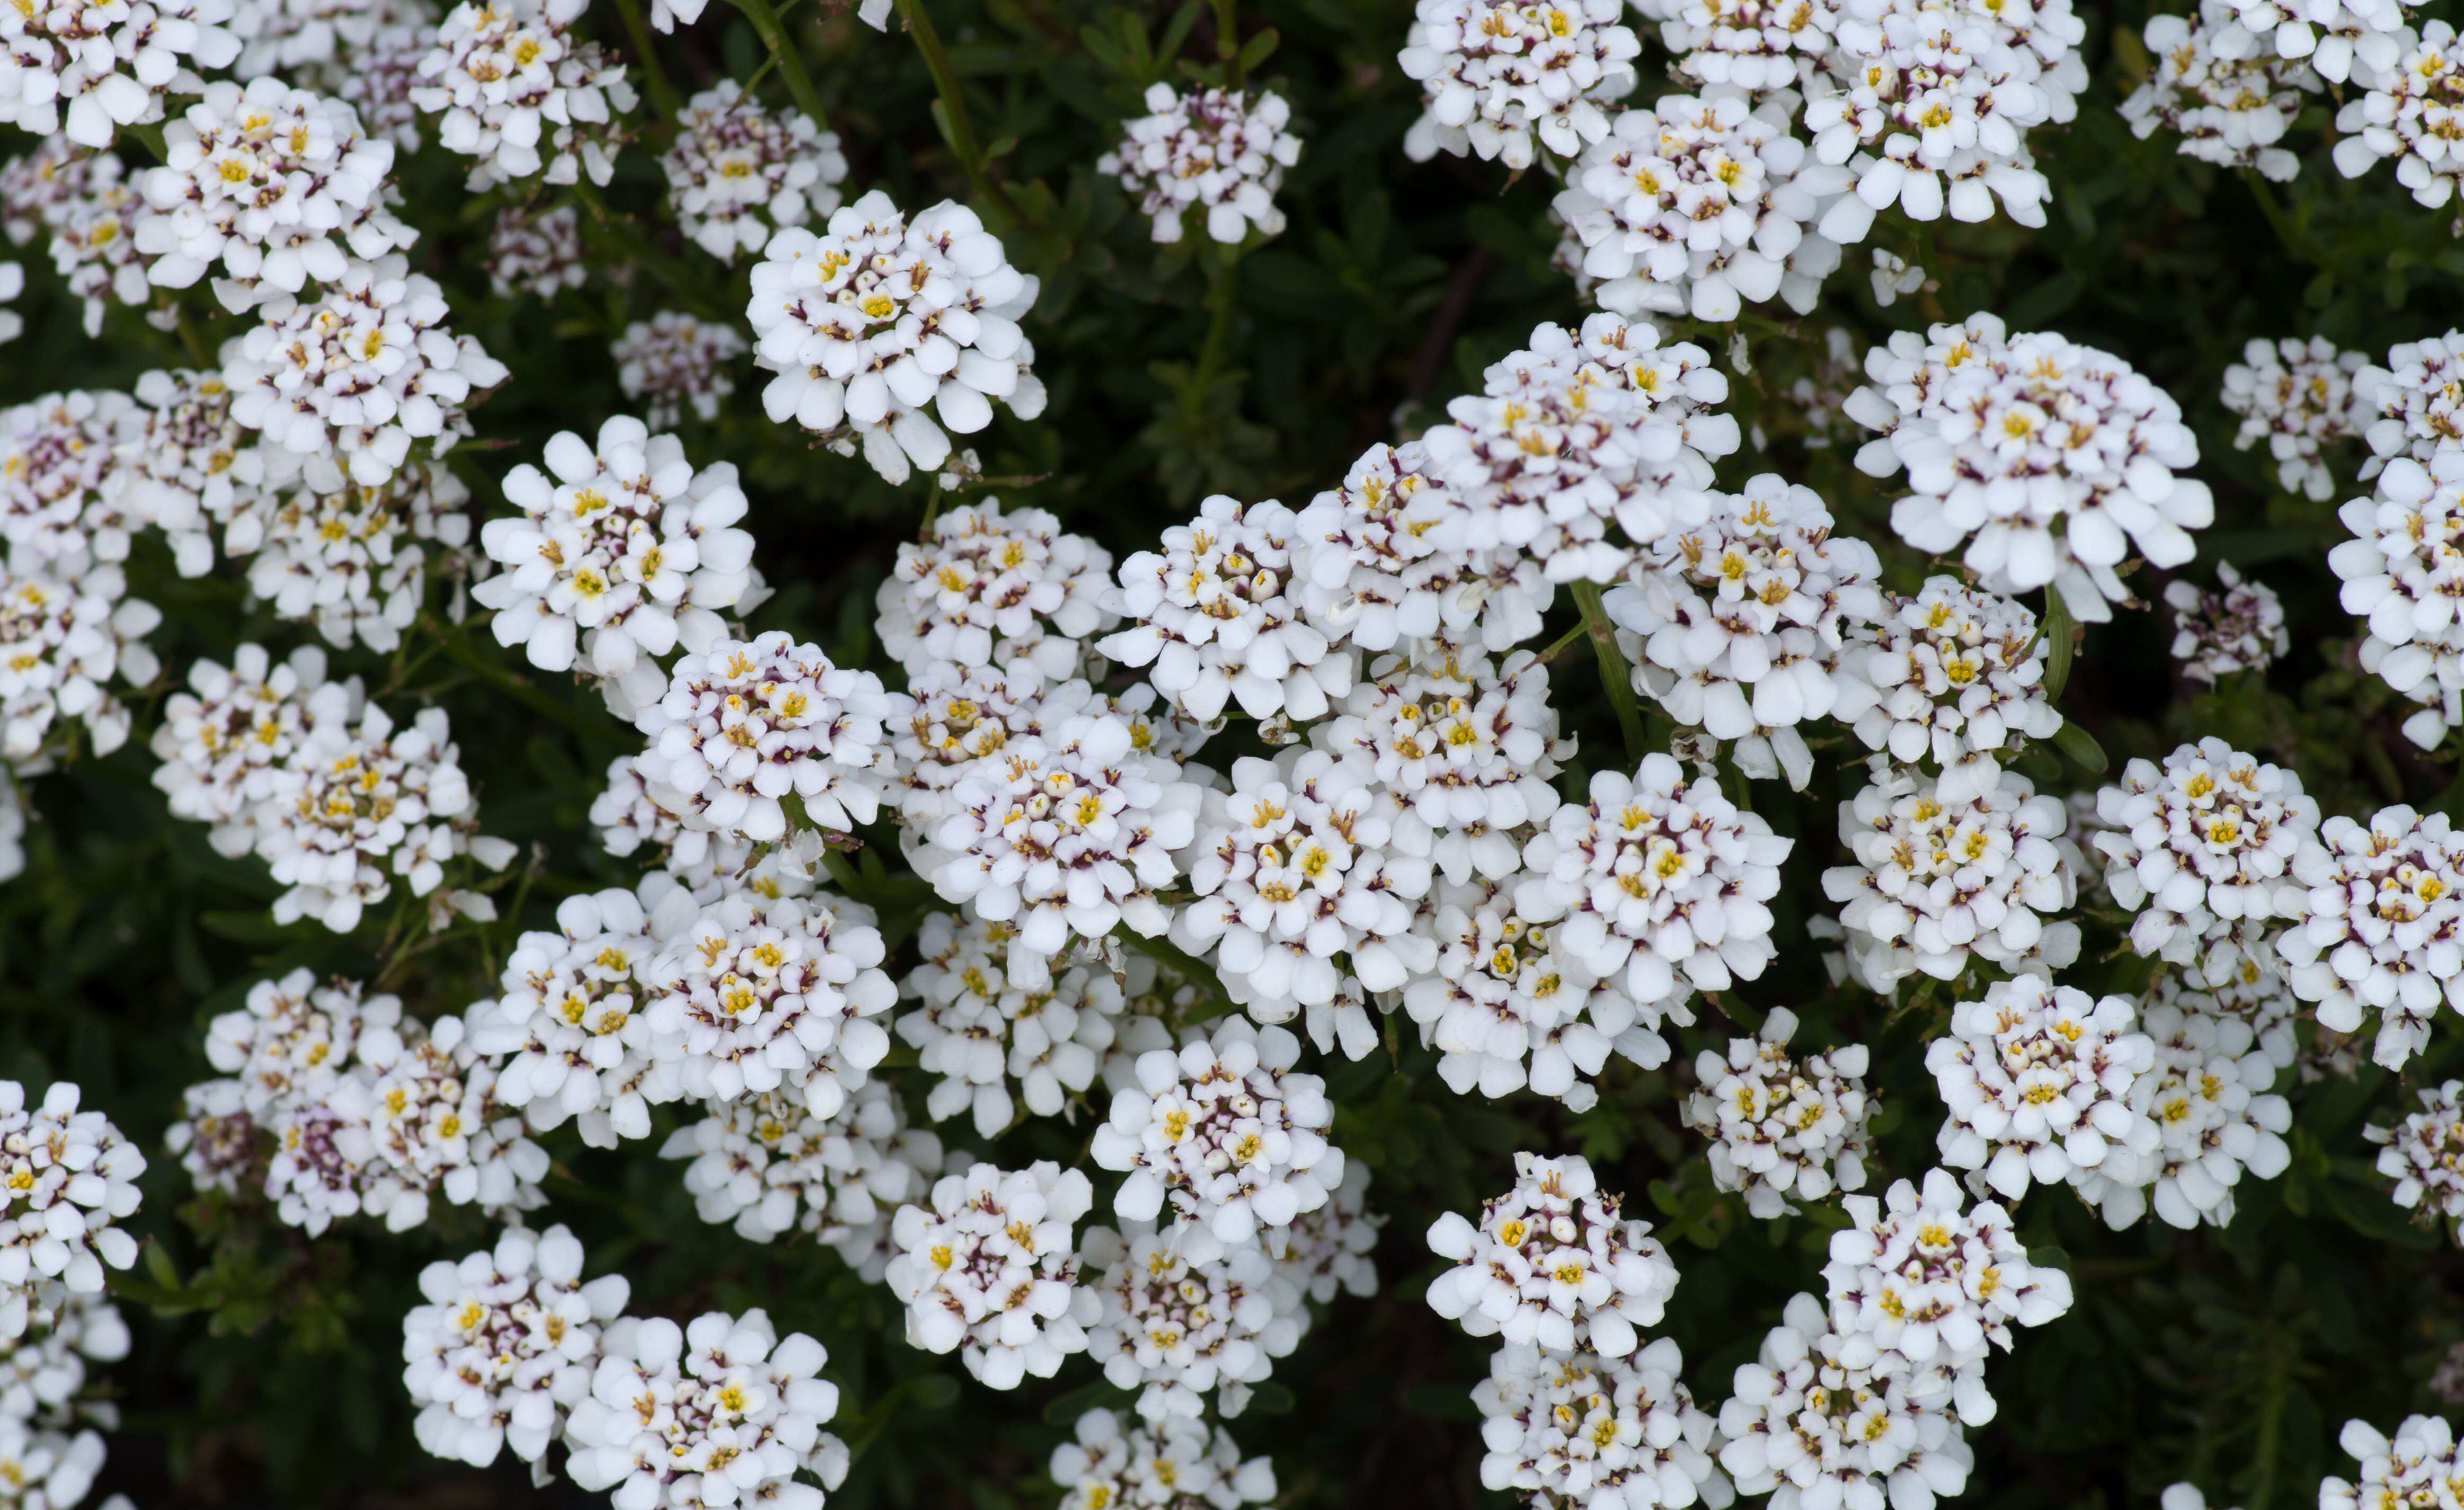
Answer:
(1211, 615)
(294, 1040)
(1369, 571)
(766, 1164)
(325, 40)
(70, 1176)
(745, 723)
(68, 632)
(1470, 748)
(82, 200)
(59, 461)
(1945, 93)
(2414, 405)
(221, 740)
(2206, 1097)
(877, 317)
(186, 467)
(676, 361)
(1959, 676)
(418, 1115)
(2041, 1082)
(1227, 1131)
(980, 1032)
(1552, 1264)
(1655, 875)
(1893, 279)
(1208, 150)
(995, 590)
(764, 993)
(2425, 1154)
(1756, 45)
(2409, 1469)
(376, 77)
(535, 253)
(360, 373)
(626, 553)
(1937, 1286)
(501, 73)
(277, 185)
(1698, 204)
(2230, 106)
(2341, 38)
(738, 171)
(1740, 624)
(1177, 1328)
(1494, 72)
(349, 556)
(1821, 1420)
(1580, 431)
(2399, 571)
(2382, 929)
(2202, 851)
(1303, 860)
(504, 1345)
(2405, 115)
(989, 1268)
(1327, 1251)
(43, 1380)
(49, 1470)
(2050, 460)
(719, 1412)
(1778, 1125)
(1171, 1465)
(1072, 833)
(2255, 993)
(110, 64)
(2238, 629)
(1598, 1434)
(1505, 988)
(219, 1143)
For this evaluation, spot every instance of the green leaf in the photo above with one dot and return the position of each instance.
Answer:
(933, 1391)
(1258, 48)
(2081, 747)
(2058, 645)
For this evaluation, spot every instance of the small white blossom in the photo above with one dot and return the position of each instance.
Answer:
(503, 1345)
(2425, 1154)
(766, 1165)
(1493, 73)
(988, 1268)
(323, 40)
(2342, 40)
(220, 740)
(502, 74)
(1178, 1329)
(353, 559)
(2409, 1469)
(2041, 1082)
(2207, 1098)
(2050, 461)
(49, 1470)
(1781, 1127)
(1217, 152)
(376, 77)
(995, 590)
(2414, 405)
(70, 1176)
(84, 203)
(186, 467)
(676, 361)
(2407, 114)
(417, 1115)
(719, 1412)
(1596, 1434)
(1328, 1252)
(2228, 106)
(2202, 850)
(2399, 571)
(980, 1033)
(109, 64)
(59, 464)
(1226, 1132)
(1893, 279)
(738, 171)
(1755, 45)
(2240, 628)
(2382, 929)
(879, 316)
(1171, 1465)
(535, 253)
(68, 634)
(1552, 1264)
(1958, 675)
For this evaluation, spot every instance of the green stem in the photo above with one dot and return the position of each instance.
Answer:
(932, 510)
(2275, 213)
(956, 124)
(1559, 649)
(679, 279)
(1228, 43)
(2270, 1426)
(1617, 678)
(783, 51)
(655, 76)
(1219, 325)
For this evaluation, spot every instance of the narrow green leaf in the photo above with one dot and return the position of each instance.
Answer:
(2058, 645)
(2080, 746)
(1258, 48)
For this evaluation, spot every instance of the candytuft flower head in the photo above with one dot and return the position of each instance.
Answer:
(1937, 1286)
(676, 361)
(980, 1032)
(2230, 106)
(1214, 151)
(1552, 1264)
(67, 1177)
(988, 1268)
(767, 1165)
(1170, 1464)
(738, 171)
(2040, 1080)
(1600, 1433)
(2240, 628)
(1178, 1329)
(2425, 1154)
(1781, 1127)
(1958, 675)
(2207, 1098)
(2403, 115)
(2382, 929)
(2203, 851)
(501, 73)
(1494, 74)
(995, 590)
(535, 253)
(2395, 571)
(57, 53)
(2300, 397)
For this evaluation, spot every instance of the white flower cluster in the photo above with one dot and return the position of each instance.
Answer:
(2047, 460)
(765, 1165)
(1600, 1433)
(70, 1177)
(2040, 1080)
(878, 317)
(1226, 1132)
(1496, 72)
(502, 72)
(185, 465)
(2411, 1468)
(1779, 1126)
(316, 40)
(2399, 571)
(1755, 45)
(504, 1345)
(46, 1395)
(361, 372)
(2407, 114)
(2240, 628)
(1177, 1328)
(535, 253)
(1552, 1264)
(2414, 405)
(1928, 103)
(994, 590)
(2207, 1096)
(349, 557)
(1741, 625)
(980, 1032)
(1937, 880)
(738, 171)
(1699, 204)
(629, 551)
(674, 361)
(1170, 1464)
(376, 77)
(2229, 105)
(68, 634)
(1958, 676)
(2382, 929)
(82, 202)
(275, 185)
(988, 1268)
(2202, 850)
(2340, 38)
(2300, 397)
(1327, 1252)
(109, 65)
(2425, 1154)
(719, 1412)
(1214, 151)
